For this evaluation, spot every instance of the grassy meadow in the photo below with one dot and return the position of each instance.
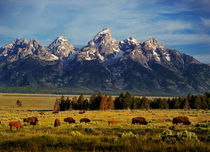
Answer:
(98, 135)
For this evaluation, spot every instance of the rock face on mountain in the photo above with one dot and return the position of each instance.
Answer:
(21, 48)
(104, 64)
(61, 48)
(102, 47)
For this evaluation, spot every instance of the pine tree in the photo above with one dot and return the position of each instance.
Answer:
(93, 101)
(198, 102)
(119, 101)
(145, 103)
(80, 101)
(127, 100)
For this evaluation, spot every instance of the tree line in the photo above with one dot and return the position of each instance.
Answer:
(127, 101)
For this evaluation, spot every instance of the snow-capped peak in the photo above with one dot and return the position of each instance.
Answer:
(61, 47)
(152, 44)
(129, 43)
(62, 38)
(104, 32)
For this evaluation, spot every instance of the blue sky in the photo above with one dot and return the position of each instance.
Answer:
(180, 24)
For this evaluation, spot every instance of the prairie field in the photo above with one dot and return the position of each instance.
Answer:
(158, 135)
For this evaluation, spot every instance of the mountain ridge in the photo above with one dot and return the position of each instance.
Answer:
(104, 64)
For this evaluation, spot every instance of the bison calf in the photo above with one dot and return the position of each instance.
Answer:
(81, 111)
(57, 123)
(113, 122)
(69, 120)
(16, 124)
(84, 120)
(139, 120)
(181, 119)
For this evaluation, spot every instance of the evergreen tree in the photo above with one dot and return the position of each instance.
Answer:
(197, 102)
(80, 102)
(93, 102)
(127, 100)
(163, 104)
(145, 103)
(85, 104)
(119, 101)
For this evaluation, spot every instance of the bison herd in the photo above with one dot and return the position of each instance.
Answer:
(136, 120)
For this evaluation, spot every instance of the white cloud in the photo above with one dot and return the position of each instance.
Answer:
(205, 22)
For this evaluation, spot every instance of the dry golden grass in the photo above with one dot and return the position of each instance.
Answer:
(103, 134)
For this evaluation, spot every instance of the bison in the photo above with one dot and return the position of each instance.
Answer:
(84, 120)
(181, 119)
(69, 120)
(139, 120)
(57, 123)
(16, 124)
(31, 120)
(113, 122)
(81, 111)
(56, 111)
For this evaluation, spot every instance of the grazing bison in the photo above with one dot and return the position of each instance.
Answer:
(31, 120)
(56, 111)
(41, 113)
(113, 122)
(84, 120)
(139, 120)
(16, 124)
(69, 120)
(57, 123)
(181, 119)
(81, 111)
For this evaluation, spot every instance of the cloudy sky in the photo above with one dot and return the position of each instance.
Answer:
(180, 24)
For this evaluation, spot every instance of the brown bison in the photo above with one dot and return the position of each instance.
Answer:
(84, 120)
(113, 122)
(69, 120)
(56, 111)
(31, 120)
(81, 111)
(181, 119)
(41, 113)
(16, 124)
(57, 123)
(139, 120)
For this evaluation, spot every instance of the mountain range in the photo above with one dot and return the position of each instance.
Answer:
(104, 65)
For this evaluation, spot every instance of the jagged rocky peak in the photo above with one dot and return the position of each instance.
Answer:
(129, 43)
(61, 47)
(91, 43)
(152, 44)
(102, 47)
(105, 33)
(106, 45)
(21, 48)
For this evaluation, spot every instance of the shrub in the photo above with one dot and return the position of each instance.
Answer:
(171, 137)
(19, 103)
